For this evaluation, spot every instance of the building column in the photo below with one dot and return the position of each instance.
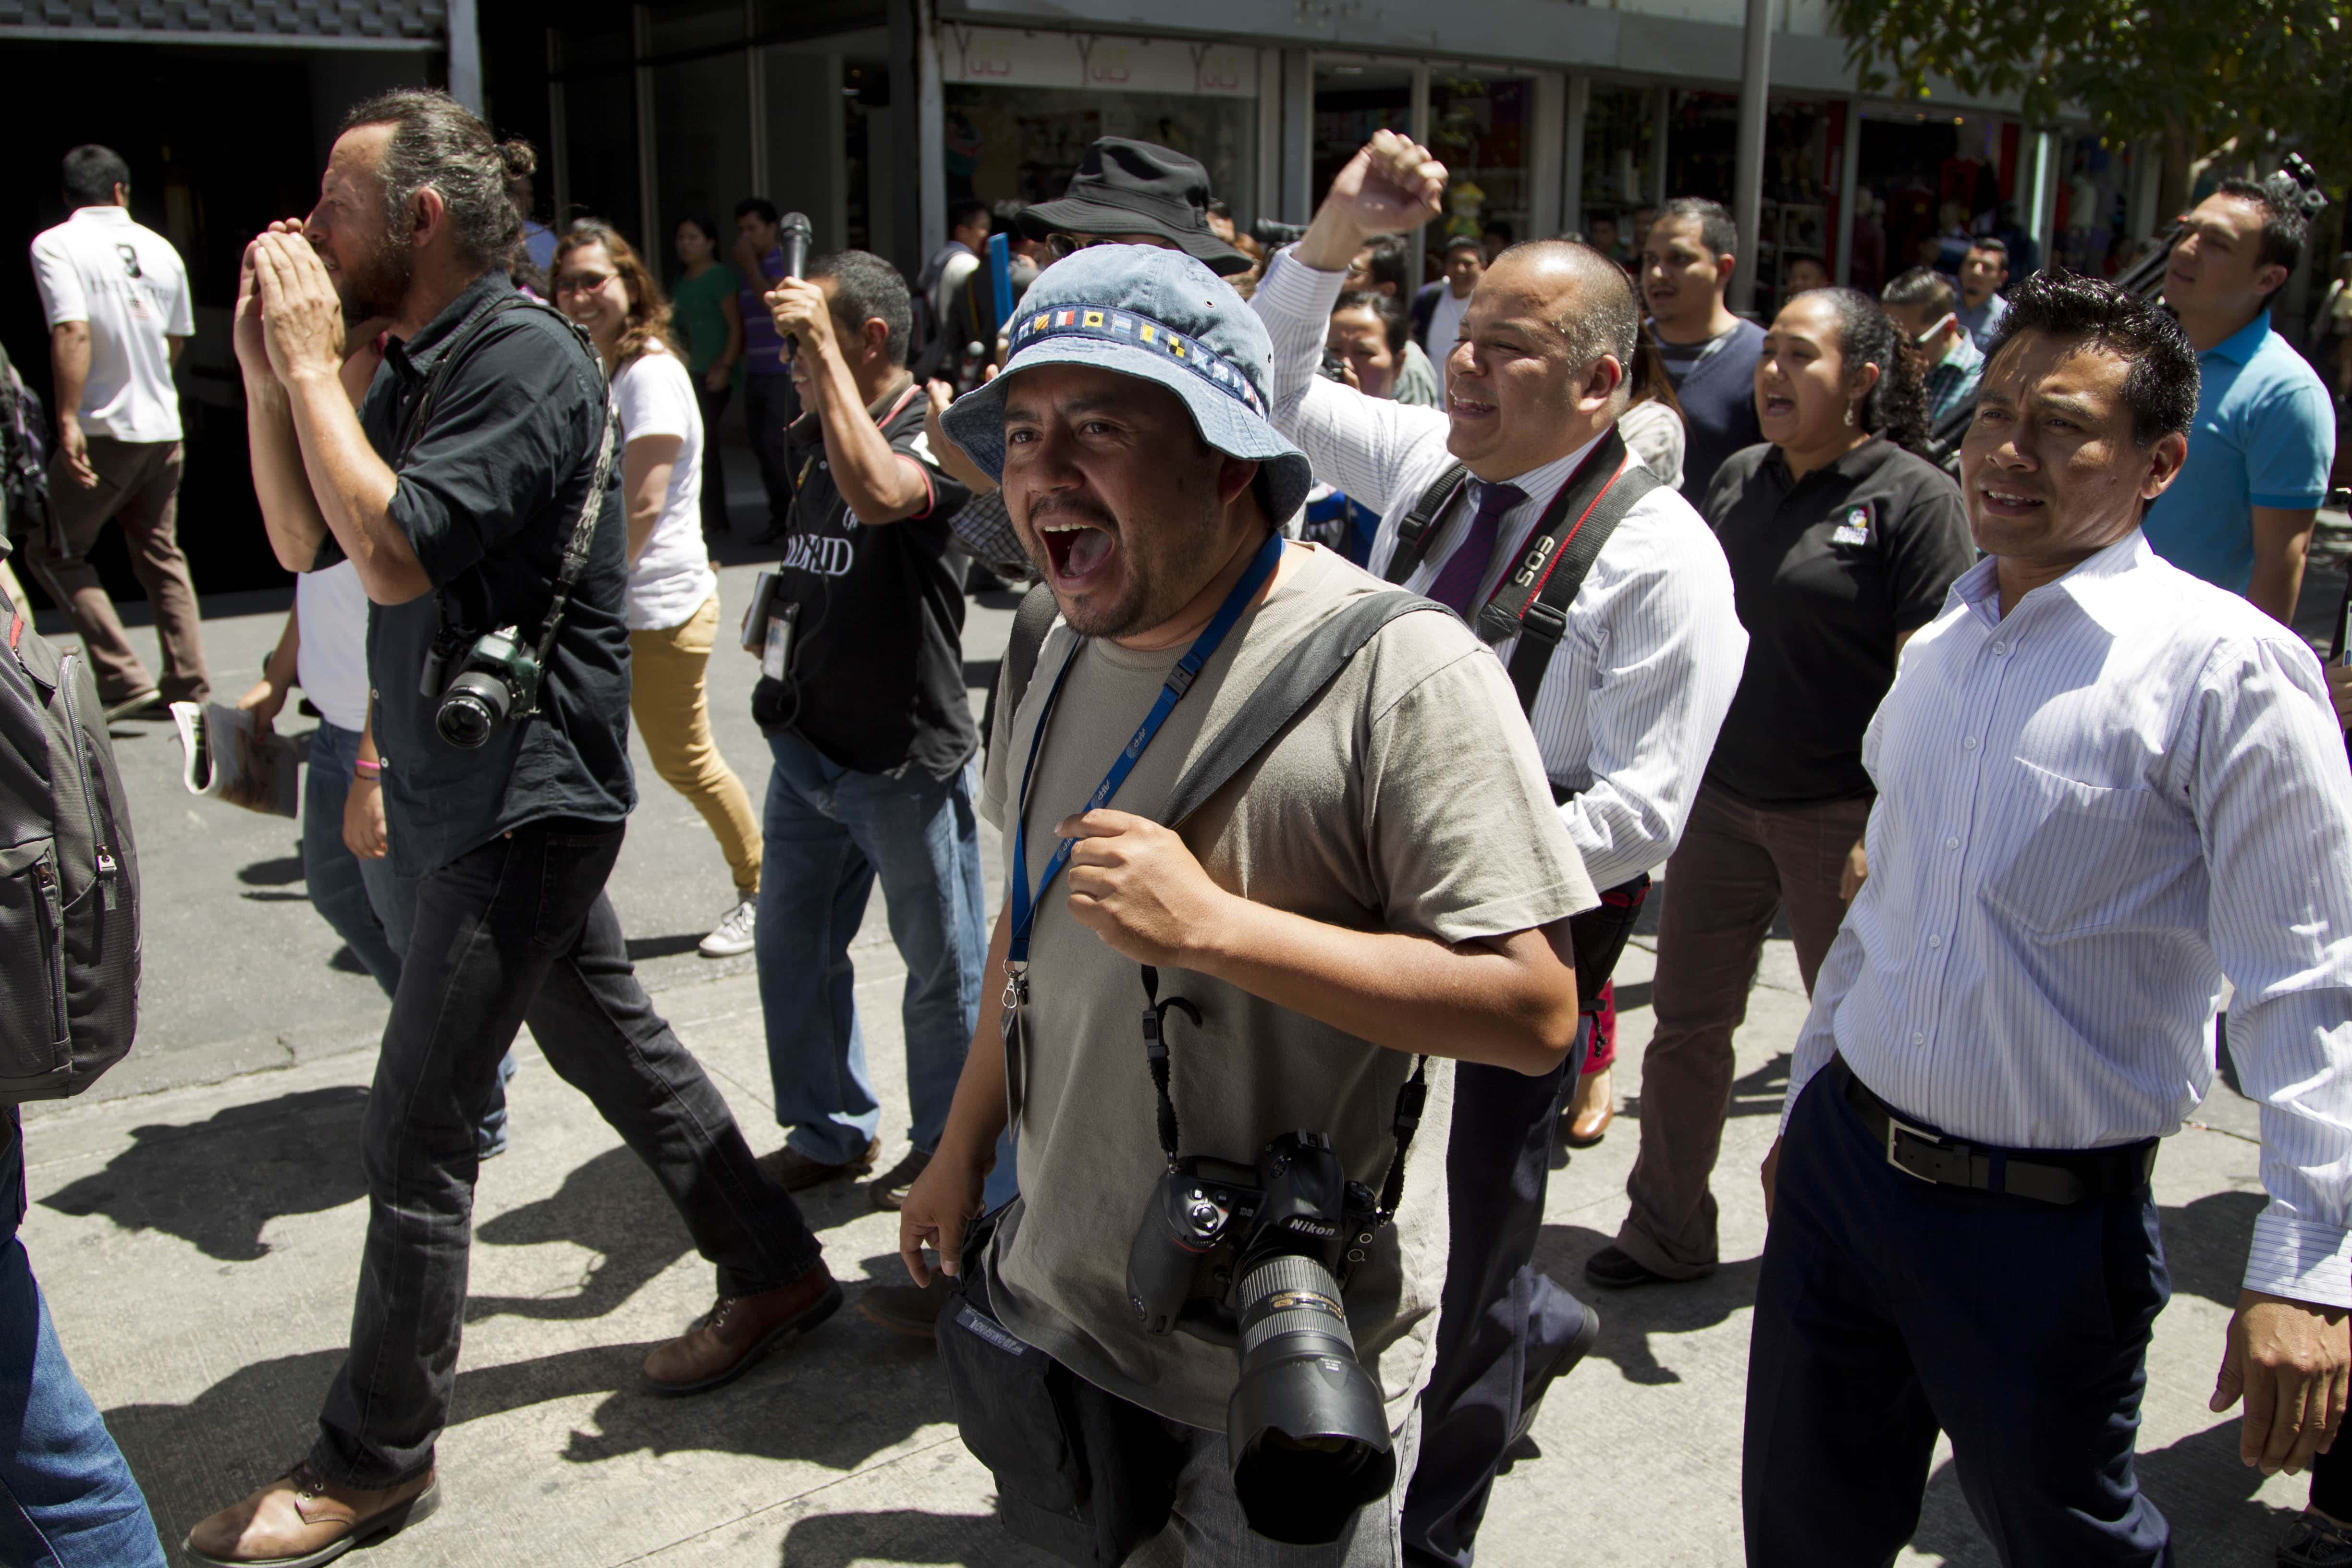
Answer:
(466, 54)
(1417, 259)
(558, 137)
(905, 119)
(1297, 135)
(1571, 160)
(1747, 182)
(1662, 110)
(648, 170)
(931, 126)
(1849, 190)
(1548, 137)
(755, 98)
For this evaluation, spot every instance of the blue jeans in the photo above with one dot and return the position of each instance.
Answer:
(371, 906)
(67, 1497)
(831, 833)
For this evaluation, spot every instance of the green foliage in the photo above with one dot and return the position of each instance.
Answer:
(2194, 73)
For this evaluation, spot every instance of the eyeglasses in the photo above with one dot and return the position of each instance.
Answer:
(583, 282)
(1064, 245)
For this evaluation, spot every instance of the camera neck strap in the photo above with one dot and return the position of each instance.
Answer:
(582, 538)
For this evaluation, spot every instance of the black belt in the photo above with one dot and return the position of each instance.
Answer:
(2047, 1175)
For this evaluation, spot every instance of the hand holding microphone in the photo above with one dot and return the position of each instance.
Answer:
(797, 306)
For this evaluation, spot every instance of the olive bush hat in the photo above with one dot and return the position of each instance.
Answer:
(1159, 316)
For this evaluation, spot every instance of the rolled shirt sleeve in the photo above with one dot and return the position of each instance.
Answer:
(62, 298)
(2272, 801)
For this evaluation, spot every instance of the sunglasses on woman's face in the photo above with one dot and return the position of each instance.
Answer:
(583, 282)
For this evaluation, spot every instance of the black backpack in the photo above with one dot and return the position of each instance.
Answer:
(69, 878)
(24, 456)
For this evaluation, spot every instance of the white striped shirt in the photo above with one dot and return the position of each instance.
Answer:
(1628, 710)
(2089, 812)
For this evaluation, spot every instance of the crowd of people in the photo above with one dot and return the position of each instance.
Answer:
(1386, 639)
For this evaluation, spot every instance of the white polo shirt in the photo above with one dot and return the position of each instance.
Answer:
(129, 284)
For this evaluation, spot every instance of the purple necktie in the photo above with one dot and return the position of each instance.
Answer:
(1457, 580)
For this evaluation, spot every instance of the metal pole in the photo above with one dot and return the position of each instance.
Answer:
(755, 99)
(648, 167)
(465, 54)
(1417, 264)
(930, 116)
(558, 139)
(1849, 189)
(1571, 172)
(1747, 190)
(1662, 113)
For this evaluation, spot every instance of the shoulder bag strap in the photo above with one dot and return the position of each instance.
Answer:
(1414, 533)
(1031, 621)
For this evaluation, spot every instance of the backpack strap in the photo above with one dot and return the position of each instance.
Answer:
(1420, 524)
(1284, 693)
(1031, 621)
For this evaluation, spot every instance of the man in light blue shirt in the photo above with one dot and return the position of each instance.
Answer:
(2259, 455)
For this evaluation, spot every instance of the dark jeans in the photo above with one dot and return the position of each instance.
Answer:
(1502, 1324)
(518, 931)
(369, 905)
(714, 467)
(769, 404)
(66, 1495)
(1889, 1307)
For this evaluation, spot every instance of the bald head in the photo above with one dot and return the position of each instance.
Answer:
(1587, 297)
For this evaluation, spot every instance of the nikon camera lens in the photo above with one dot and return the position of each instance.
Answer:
(473, 707)
(1308, 1435)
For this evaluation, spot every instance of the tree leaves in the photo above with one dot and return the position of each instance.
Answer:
(2197, 74)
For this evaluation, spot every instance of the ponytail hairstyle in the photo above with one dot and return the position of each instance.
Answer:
(649, 316)
(439, 144)
(1896, 405)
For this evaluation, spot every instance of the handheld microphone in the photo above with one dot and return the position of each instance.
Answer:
(793, 234)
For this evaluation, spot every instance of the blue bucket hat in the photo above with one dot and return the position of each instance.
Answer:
(1159, 316)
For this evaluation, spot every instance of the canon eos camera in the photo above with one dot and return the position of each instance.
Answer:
(496, 678)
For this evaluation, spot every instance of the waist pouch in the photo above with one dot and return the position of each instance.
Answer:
(1599, 937)
(1080, 1473)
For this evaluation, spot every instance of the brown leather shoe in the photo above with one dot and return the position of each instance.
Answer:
(731, 1338)
(795, 1171)
(302, 1519)
(889, 1189)
(1591, 1112)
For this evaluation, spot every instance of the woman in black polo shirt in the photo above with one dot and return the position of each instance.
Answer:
(1842, 543)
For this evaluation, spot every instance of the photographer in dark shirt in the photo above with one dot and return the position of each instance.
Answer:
(861, 698)
(479, 461)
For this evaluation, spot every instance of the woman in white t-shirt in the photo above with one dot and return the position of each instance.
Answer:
(673, 601)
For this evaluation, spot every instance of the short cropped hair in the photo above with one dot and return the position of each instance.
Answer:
(865, 287)
(1387, 262)
(1993, 245)
(1611, 322)
(963, 210)
(1715, 229)
(91, 173)
(760, 205)
(2160, 389)
(1921, 286)
(2285, 228)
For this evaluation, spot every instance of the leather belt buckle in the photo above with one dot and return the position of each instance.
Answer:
(1926, 1157)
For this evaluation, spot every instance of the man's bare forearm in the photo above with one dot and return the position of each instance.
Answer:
(879, 487)
(290, 514)
(353, 488)
(2282, 538)
(68, 366)
(1508, 1002)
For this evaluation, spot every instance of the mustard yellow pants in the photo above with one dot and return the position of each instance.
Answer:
(672, 713)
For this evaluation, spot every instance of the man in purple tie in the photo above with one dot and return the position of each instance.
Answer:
(1624, 711)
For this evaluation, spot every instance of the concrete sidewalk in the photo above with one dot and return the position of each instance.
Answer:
(199, 1247)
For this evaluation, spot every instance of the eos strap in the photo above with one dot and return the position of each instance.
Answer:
(1532, 602)
(1179, 680)
(582, 536)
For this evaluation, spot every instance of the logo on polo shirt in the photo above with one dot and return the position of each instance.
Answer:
(1854, 529)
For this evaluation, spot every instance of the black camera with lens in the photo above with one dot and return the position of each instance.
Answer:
(1262, 1255)
(490, 680)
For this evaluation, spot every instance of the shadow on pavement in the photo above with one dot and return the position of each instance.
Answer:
(281, 872)
(2205, 1246)
(218, 1183)
(904, 1535)
(2205, 1494)
(1628, 1317)
(612, 1207)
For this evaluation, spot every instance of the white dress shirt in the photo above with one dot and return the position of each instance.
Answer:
(1629, 707)
(2089, 812)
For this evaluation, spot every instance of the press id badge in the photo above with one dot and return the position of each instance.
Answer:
(776, 657)
(1853, 528)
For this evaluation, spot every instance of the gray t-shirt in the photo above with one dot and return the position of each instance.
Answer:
(1407, 797)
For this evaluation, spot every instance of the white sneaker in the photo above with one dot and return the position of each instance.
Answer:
(734, 933)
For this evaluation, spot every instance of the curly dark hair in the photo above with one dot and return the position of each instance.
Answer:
(2160, 389)
(1896, 405)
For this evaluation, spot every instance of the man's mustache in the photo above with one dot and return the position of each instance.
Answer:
(1080, 507)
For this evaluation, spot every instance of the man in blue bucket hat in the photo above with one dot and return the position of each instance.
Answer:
(1386, 879)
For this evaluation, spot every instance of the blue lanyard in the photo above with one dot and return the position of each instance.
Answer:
(1179, 680)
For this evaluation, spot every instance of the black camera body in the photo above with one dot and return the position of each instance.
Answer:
(1266, 1254)
(491, 680)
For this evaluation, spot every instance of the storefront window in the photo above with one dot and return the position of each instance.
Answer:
(1478, 126)
(1926, 183)
(1027, 142)
(1801, 142)
(1619, 154)
(1702, 145)
(1351, 101)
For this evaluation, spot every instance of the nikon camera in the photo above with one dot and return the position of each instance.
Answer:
(1264, 1252)
(491, 680)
